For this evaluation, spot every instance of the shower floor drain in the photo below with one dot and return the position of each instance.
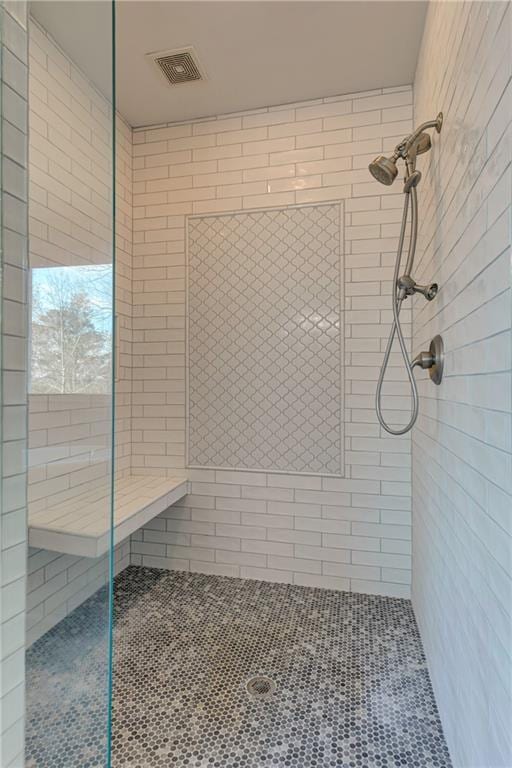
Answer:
(260, 687)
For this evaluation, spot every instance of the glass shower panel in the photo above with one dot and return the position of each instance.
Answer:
(13, 273)
(70, 391)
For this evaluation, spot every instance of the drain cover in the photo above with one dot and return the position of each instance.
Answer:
(260, 687)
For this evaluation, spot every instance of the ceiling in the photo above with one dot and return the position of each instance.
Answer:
(255, 54)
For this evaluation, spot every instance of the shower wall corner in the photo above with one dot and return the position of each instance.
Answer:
(13, 376)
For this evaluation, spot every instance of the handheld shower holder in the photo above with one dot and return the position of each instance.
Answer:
(408, 287)
(412, 181)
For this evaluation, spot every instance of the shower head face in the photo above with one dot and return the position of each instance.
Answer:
(384, 170)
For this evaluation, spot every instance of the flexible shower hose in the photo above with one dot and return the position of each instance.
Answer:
(397, 297)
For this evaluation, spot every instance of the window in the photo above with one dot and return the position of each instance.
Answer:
(71, 329)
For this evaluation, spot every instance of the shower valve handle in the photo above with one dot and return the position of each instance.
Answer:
(424, 360)
(432, 360)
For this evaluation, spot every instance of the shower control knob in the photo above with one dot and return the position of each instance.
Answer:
(433, 360)
(423, 360)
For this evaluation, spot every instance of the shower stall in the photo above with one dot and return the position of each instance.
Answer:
(255, 384)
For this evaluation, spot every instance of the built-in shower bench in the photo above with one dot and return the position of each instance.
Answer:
(81, 525)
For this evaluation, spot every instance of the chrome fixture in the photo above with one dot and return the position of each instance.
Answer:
(433, 360)
(385, 170)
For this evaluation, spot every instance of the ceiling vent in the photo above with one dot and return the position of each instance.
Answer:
(178, 66)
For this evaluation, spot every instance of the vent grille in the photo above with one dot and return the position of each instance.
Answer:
(179, 67)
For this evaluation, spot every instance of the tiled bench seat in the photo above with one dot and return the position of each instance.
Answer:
(81, 526)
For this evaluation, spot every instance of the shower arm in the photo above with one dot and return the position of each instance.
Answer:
(402, 149)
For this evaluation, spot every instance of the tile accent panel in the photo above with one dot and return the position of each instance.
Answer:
(264, 319)
(343, 533)
(462, 462)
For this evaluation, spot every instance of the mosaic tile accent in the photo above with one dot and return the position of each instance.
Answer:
(352, 687)
(265, 340)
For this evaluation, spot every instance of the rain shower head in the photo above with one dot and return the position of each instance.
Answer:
(384, 169)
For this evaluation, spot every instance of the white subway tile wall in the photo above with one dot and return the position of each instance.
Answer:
(462, 469)
(123, 296)
(351, 533)
(70, 223)
(57, 584)
(69, 441)
(13, 410)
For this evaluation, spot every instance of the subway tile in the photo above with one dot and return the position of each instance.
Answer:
(355, 119)
(385, 588)
(321, 195)
(264, 200)
(216, 569)
(345, 570)
(240, 478)
(383, 101)
(375, 529)
(269, 118)
(295, 128)
(294, 564)
(244, 137)
(268, 547)
(323, 497)
(324, 110)
(267, 520)
(215, 542)
(294, 508)
(324, 138)
(324, 582)
(266, 574)
(322, 553)
(296, 156)
(268, 146)
(248, 559)
(257, 506)
(241, 531)
(286, 535)
(229, 125)
(268, 494)
(243, 163)
(214, 489)
(311, 482)
(323, 526)
(348, 542)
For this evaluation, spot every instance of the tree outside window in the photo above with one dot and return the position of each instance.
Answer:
(71, 330)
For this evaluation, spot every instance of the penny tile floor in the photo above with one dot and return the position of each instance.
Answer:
(351, 684)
